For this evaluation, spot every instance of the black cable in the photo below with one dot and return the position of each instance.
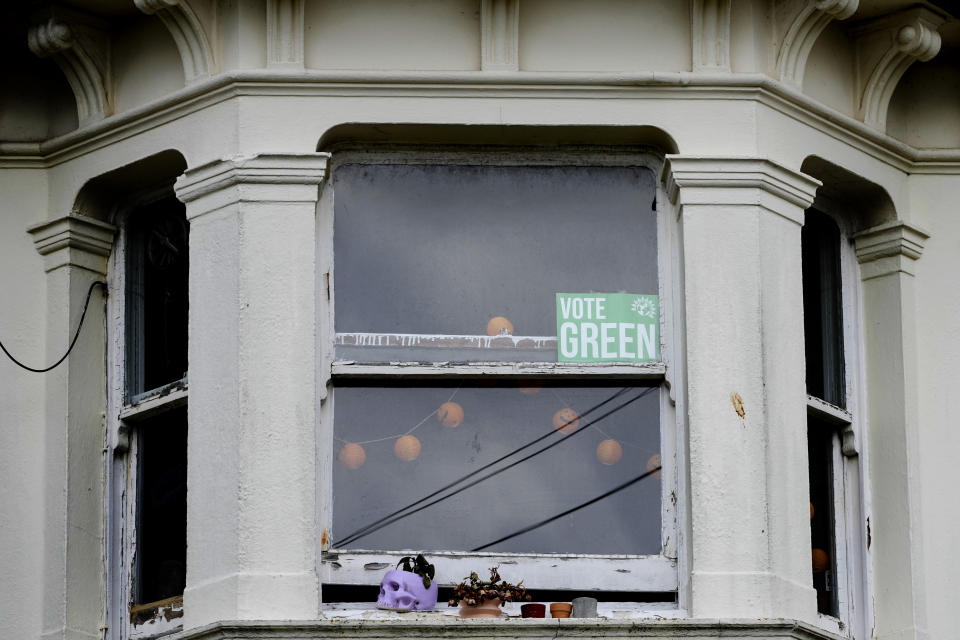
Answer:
(362, 531)
(569, 511)
(388, 520)
(72, 342)
(374, 526)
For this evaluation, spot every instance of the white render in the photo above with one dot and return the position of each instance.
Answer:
(758, 108)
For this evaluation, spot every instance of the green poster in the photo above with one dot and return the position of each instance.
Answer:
(607, 327)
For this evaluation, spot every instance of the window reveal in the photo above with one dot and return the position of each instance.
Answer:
(427, 258)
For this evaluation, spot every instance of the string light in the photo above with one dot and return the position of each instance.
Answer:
(499, 326)
(566, 421)
(407, 448)
(352, 456)
(450, 415)
(609, 452)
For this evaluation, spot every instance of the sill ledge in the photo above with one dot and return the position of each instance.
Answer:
(548, 628)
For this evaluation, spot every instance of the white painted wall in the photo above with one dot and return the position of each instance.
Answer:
(418, 62)
(21, 403)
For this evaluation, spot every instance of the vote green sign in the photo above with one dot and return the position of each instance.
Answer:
(607, 327)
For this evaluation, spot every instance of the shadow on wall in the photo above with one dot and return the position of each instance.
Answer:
(867, 203)
(99, 196)
(400, 134)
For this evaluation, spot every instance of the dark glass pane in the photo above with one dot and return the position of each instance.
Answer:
(440, 250)
(162, 506)
(822, 309)
(157, 295)
(397, 444)
(820, 439)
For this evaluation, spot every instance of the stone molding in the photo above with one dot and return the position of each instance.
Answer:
(483, 84)
(283, 170)
(74, 240)
(285, 34)
(886, 47)
(81, 48)
(801, 34)
(711, 35)
(499, 39)
(188, 33)
(889, 248)
(441, 626)
(701, 180)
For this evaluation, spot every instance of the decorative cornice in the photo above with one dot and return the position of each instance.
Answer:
(768, 92)
(886, 47)
(188, 33)
(82, 51)
(801, 34)
(694, 180)
(75, 241)
(530, 628)
(285, 34)
(711, 35)
(499, 39)
(271, 170)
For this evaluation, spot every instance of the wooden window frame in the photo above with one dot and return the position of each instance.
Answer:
(651, 573)
(850, 504)
(126, 411)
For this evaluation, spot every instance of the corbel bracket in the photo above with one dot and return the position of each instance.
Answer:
(886, 47)
(499, 25)
(801, 31)
(285, 34)
(82, 51)
(711, 35)
(188, 33)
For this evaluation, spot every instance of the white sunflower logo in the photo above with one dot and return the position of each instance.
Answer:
(644, 307)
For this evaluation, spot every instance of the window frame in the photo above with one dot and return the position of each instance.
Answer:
(847, 425)
(126, 411)
(651, 573)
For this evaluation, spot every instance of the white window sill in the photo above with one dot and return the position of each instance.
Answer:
(509, 611)
(434, 625)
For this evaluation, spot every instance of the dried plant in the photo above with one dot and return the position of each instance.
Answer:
(473, 590)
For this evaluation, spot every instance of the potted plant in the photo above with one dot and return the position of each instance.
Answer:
(409, 587)
(482, 598)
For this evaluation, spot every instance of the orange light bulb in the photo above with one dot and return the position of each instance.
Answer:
(450, 414)
(653, 463)
(352, 456)
(566, 421)
(407, 448)
(609, 452)
(498, 325)
(821, 560)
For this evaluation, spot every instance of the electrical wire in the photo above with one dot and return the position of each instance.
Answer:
(399, 515)
(72, 342)
(600, 497)
(373, 526)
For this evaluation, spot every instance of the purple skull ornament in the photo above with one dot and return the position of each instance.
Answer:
(404, 591)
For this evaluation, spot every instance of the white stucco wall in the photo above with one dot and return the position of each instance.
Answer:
(614, 63)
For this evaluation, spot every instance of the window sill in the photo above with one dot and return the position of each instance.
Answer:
(442, 626)
(509, 611)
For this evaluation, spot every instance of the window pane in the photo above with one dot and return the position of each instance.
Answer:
(396, 445)
(822, 308)
(162, 506)
(441, 250)
(820, 443)
(158, 267)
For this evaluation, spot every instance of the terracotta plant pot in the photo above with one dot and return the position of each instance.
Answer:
(533, 610)
(485, 609)
(560, 610)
